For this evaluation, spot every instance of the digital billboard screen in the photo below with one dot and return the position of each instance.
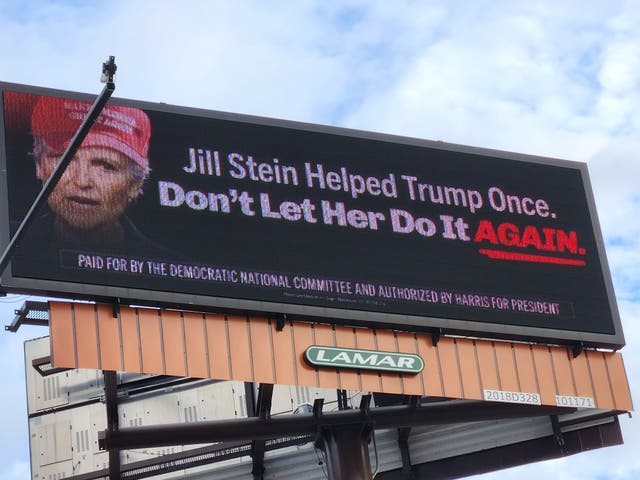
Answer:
(176, 206)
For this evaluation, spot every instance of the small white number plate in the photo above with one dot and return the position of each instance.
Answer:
(512, 397)
(571, 401)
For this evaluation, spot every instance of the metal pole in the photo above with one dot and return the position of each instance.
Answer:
(108, 71)
(347, 452)
(111, 401)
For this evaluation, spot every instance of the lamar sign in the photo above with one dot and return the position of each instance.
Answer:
(320, 356)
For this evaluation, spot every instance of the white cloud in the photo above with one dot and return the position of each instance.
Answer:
(17, 470)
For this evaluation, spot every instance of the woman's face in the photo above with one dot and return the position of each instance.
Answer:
(95, 189)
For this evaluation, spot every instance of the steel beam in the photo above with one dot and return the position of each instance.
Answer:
(111, 402)
(31, 313)
(256, 428)
(347, 452)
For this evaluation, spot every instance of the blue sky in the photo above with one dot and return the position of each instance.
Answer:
(552, 78)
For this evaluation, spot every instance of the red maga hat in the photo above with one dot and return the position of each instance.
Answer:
(124, 129)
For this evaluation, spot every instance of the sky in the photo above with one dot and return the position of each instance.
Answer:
(556, 78)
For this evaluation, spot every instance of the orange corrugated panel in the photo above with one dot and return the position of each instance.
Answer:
(601, 385)
(240, 349)
(151, 341)
(412, 383)
(109, 338)
(63, 345)
(283, 355)
(581, 376)
(431, 375)
(545, 374)
(345, 338)
(173, 343)
(562, 371)
(195, 345)
(86, 335)
(391, 382)
(469, 369)
(217, 346)
(262, 350)
(449, 366)
(250, 349)
(487, 365)
(619, 381)
(525, 368)
(131, 346)
(323, 336)
(507, 374)
(365, 339)
(303, 337)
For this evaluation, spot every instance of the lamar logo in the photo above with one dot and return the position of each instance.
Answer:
(319, 356)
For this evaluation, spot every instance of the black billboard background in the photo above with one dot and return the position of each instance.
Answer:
(380, 257)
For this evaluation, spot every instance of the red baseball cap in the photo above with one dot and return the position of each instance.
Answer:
(124, 129)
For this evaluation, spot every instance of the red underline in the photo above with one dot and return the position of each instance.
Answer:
(525, 257)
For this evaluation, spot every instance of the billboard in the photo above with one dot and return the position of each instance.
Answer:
(185, 207)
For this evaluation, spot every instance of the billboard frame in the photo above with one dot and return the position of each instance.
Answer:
(139, 296)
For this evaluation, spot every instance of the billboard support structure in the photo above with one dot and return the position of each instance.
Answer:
(347, 452)
(108, 71)
(252, 428)
(111, 397)
(342, 435)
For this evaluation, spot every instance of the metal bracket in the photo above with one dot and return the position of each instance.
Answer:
(115, 305)
(265, 396)
(342, 399)
(262, 409)
(280, 320)
(403, 445)
(577, 349)
(318, 403)
(31, 313)
(557, 432)
(365, 410)
(108, 70)
(365, 406)
(413, 401)
(43, 366)
(435, 336)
